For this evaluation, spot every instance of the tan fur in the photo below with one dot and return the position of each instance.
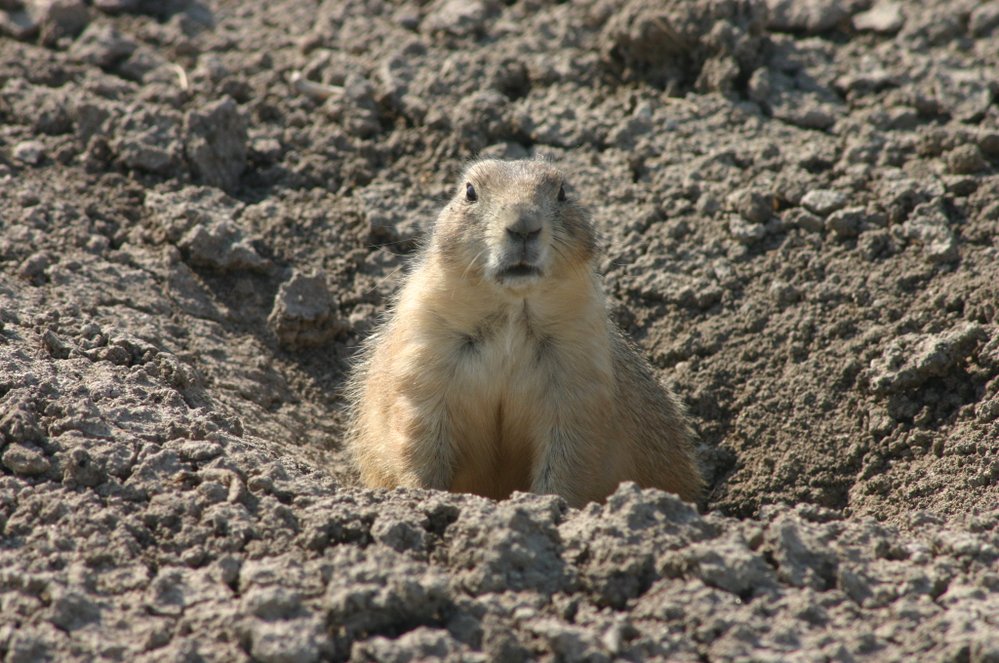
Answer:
(485, 381)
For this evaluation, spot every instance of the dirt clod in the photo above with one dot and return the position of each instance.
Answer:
(304, 315)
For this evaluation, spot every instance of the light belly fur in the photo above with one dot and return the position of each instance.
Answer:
(493, 400)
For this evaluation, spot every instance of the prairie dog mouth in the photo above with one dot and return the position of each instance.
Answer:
(518, 271)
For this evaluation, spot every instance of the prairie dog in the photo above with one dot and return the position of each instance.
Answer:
(498, 368)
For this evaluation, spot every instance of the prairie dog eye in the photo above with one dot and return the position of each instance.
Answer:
(561, 194)
(470, 194)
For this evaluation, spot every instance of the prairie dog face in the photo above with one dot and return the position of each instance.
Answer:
(512, 224)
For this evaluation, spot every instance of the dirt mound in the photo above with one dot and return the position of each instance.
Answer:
(203, 208)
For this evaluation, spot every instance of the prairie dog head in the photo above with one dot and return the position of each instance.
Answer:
(511, 223)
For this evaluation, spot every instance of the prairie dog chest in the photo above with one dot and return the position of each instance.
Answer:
(501, 403)
(505, 351)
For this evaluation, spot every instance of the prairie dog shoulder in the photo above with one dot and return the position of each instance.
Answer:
(498, 368)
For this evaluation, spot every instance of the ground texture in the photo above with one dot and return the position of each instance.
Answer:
(205, 206)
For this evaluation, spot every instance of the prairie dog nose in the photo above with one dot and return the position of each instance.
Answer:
(525, 228)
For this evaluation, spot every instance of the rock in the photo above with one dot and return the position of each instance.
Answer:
(148, 140)
(636, 527)
(371, 593)
(174, 213)
(396, 74)
(59, 18)
(71, 609)
(899, 194)
(797, 99)
(824, 201)
(221, 246)
(964, 94)
(988, 411)
(33, 267)
(19, 419)
(988, 143)
(753, 206)
(420, 644)
(711, 44)
(44, 109)
(847, 222)
(514, 548)
(856, 585)
(875, 244)
(966, 160)
(802, 218)
(407, 17)
(118, 6)
(215, 143)
(645, 33)
(27, 645)
(791, 184)
(145, 66)
(784, 293)
(482, 117)
(399, 228)
(30, 152)
(199, 450)
(912, 359)
(808, 16)
(56, 345)
(90, 119)
(802, 555)
(265, 150)
(459, 18)
(296, 641)
(885, 17)
(984, 19)
(731, 567)
(83, 469)
(304, 314)
(871, 77)
(399, 535)
(25, 459)
(18, 24)
(745, 232)
(929, 225)
(272, 603)
(102, 45)
(130, 6)
(175, 589)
